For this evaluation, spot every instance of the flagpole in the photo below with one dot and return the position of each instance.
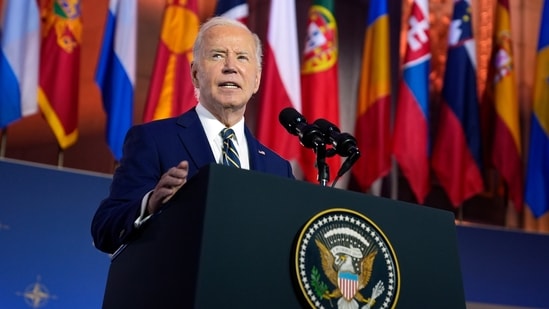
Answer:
(3, 142)
(512, 216)
(519, 218)
(60, 158)
(394, 179)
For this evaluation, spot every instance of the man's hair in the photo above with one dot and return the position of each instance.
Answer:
(224, 21)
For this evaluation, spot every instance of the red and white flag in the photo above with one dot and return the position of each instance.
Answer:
(281, 80)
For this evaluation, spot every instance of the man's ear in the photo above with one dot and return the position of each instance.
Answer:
(194, 73)
(257, 81)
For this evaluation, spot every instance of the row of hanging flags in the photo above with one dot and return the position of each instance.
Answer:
(39, 70)
(39, 65)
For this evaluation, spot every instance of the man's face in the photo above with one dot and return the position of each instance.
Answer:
(226, 72)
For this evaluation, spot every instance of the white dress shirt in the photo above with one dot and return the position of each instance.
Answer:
(213, 128)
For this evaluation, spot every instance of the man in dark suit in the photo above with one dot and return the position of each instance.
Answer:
(160, 156)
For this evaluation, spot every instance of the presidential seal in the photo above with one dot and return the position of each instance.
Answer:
(343, 260)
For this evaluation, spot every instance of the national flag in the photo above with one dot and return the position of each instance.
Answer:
(280, 81)
(506, 152)
(372, 129)
(19, 56)
(115, 73)
(456, 156)
(235, 9)
(319, 78)
(60, 68)
(537, 174)
(411, 145)
(171, 91)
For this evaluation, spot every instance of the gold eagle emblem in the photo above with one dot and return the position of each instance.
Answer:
(338, 264)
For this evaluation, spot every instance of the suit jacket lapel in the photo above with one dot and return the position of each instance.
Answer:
(194, 139)
(256, 152)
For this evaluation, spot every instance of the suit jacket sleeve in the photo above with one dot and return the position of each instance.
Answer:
(112, 224)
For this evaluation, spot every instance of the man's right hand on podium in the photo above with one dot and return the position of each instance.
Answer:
(167, 186)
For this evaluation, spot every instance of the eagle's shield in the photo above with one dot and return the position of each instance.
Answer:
(348, 284)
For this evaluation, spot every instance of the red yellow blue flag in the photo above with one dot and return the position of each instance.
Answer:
(372, 128)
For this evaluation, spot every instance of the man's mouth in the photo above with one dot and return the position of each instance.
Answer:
(230, 85)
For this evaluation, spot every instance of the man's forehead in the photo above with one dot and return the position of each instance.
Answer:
(228, 42)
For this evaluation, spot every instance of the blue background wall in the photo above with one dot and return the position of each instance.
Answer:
(47, 259)
(504, 267)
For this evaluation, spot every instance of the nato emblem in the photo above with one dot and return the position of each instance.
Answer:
(343, 260)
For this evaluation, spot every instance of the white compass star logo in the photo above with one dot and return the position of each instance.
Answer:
(36, 295)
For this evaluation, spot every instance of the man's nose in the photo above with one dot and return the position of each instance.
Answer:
(229, 63)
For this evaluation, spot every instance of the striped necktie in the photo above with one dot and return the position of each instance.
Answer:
(230, 155)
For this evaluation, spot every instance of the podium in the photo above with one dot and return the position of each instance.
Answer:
(227, 240)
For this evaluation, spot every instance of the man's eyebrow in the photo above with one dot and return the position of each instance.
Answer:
(242, 52)
(218, 50)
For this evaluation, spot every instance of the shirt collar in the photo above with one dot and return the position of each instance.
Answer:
(212, 126)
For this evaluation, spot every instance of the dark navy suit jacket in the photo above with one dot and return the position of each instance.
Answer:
(149, 151)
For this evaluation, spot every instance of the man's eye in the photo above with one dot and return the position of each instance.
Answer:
(217, 56)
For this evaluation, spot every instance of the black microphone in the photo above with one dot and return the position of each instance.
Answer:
(310, 136)
(343, 143)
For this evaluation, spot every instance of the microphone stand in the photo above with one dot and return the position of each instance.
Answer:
(323, 169)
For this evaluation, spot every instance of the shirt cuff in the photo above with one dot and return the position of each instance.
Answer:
(142, 218)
